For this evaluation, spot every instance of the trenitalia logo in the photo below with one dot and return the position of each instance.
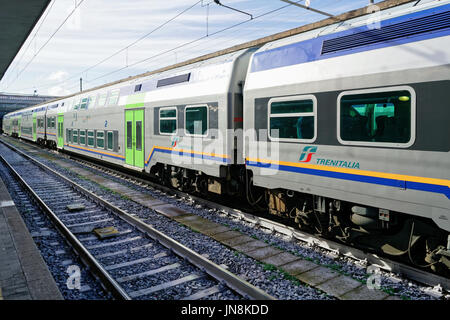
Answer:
(307, 153)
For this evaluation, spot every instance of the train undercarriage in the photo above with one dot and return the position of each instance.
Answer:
(412, 239)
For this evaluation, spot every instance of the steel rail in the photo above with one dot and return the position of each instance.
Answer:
(108, 282)
(242, 287)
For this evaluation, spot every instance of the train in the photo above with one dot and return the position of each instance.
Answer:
(342, 129)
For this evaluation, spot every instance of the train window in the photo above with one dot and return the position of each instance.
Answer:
(110, 140)
(102, 100)
(100, 139)
(82, 135)
(113, 98)
(53, 125)
(292, 118)
(129, 134)
(377, 117)
(138, 135)
(196, 120)
(90, 139)
(84, 103)
(69, 135)
(76, 104)
(167, 120)
(75, 136)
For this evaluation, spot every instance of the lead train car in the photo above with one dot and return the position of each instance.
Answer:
(352, 134)
(343, 129)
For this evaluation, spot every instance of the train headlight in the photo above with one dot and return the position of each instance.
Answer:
(403, 98)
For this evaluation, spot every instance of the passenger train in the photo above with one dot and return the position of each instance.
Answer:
(344, 129)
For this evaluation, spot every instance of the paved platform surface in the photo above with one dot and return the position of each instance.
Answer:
(23, 272)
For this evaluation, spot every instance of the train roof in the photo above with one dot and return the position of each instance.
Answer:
(223, 54)
(351, 36)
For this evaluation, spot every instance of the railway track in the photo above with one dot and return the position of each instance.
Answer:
(127, 262)
(439, 283)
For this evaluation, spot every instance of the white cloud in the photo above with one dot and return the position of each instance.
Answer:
(57, 75)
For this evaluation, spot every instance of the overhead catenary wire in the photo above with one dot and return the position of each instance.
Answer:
(122, 49)
(190, 42)
(160, 54)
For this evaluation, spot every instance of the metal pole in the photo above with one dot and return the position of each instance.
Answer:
(81, 84)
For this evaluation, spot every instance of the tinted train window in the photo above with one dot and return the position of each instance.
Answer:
(168, 121)
(75, 136)
(138, 135)
(292, 119)
(376, 117)
(129, 134)
(82, 137)
(196, 120)
(76, 104)
(90, 138)
(110, 140)
(84, 103)
(100, 139)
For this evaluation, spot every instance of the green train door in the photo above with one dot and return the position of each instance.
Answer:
(34, 127)
(134, 138)
(60, 131)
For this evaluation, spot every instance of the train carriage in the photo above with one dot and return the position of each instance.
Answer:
(27, 124)
(39, 116)
(351, 128)
(193, 115)
(51, 125)
(92, 123)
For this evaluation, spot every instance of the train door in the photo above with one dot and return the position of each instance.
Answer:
(19, 127)
(134, 138)
(34, 127)
(60, 132)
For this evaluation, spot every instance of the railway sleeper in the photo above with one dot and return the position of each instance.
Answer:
(417, 241)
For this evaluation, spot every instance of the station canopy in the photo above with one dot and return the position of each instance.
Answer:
(17, 20)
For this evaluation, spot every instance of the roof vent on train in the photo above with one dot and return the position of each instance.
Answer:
(174, 80)
(395, 31)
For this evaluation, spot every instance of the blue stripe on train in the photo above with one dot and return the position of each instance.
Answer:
(358, 178)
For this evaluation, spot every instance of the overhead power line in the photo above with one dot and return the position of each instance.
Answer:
(31, 41)
(121, 50)
(48, 40)
(188, 43)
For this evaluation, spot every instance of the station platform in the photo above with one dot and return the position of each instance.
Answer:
(23, 272)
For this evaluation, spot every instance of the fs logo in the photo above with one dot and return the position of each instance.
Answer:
(307, 153)
(174, 141)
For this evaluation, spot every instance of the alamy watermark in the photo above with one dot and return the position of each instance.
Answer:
(74, 280)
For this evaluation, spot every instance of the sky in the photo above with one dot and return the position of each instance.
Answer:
(102, 41)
